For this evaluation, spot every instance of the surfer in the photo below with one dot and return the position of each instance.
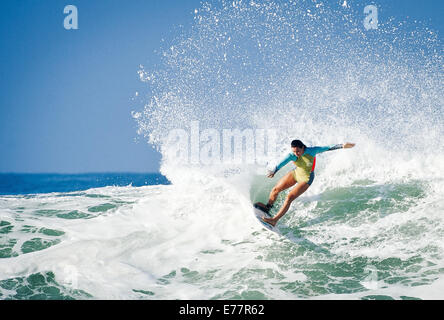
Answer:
(305, 160)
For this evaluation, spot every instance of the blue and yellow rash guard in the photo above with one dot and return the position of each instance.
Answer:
(306, 163)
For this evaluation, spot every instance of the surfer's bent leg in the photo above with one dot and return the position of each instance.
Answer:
(286, 182)
(300, 188)
(293, 194)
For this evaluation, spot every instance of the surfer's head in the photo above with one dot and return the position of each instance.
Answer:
(298, 147)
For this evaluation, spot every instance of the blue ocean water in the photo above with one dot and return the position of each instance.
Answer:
(25, 183)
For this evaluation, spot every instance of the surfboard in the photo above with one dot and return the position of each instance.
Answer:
(259, 214)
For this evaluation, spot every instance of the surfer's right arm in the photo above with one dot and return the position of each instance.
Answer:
(282, 163)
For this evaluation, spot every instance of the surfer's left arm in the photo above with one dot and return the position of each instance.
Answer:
(346, 145)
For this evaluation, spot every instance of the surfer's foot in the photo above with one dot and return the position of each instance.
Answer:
(264, 207)
(270, 221)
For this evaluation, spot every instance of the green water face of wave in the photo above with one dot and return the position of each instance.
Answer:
(359, 204)
(362, 202)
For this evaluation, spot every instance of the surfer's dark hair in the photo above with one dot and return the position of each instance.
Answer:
(298, 144)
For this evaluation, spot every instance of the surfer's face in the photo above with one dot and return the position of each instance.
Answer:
(298, 151)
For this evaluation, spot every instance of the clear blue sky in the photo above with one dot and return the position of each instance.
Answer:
(65, 99)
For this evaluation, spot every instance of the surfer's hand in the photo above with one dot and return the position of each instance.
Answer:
(348, 145)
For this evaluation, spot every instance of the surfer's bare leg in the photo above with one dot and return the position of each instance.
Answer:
(284, 183)
(293, 194)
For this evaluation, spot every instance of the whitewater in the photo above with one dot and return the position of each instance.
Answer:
(371, 225)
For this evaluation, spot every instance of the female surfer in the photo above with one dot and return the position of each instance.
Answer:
(305, 160)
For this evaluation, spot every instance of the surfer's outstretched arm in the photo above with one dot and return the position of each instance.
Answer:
(316, 150)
